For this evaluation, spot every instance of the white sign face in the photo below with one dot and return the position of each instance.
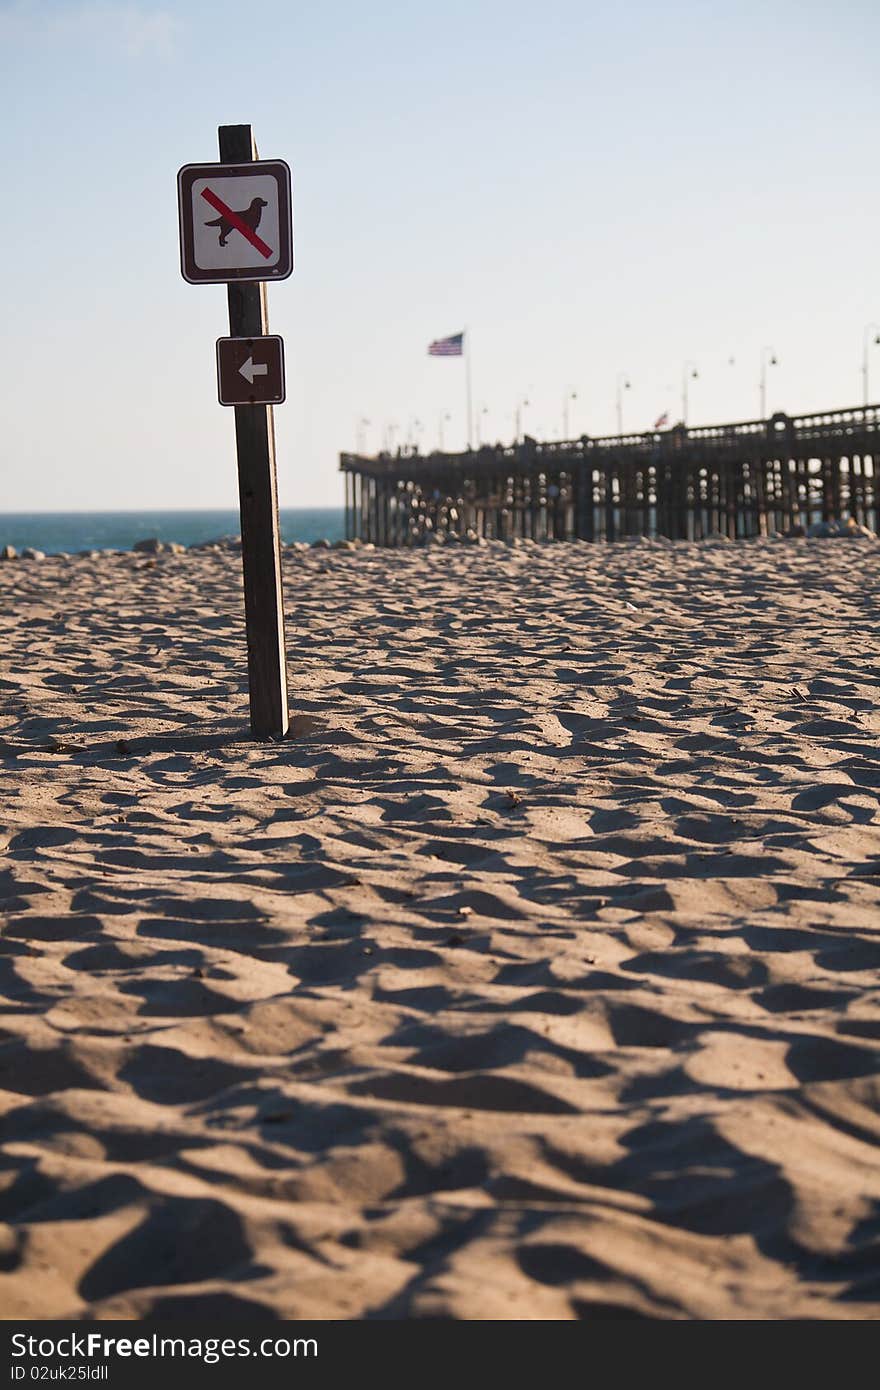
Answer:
(235, 222)
(217, 241)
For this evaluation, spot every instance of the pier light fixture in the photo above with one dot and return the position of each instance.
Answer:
(768, 359)
(870, 338)
(481, 411)
(521, 406)
(688, 373)
(570, 395)
(623, 384)
(442, 419)
(362, 427)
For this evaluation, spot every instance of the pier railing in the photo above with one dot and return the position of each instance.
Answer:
(751, 478)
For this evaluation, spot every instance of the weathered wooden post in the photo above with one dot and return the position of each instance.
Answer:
(588, 530)
(610, 534)
(249, 243)
(258, 499)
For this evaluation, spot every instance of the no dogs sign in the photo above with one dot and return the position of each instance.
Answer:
(235, 222)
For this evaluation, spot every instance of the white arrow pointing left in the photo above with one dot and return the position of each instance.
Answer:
(252, 369)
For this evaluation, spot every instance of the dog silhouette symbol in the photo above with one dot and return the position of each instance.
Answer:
(251, 217)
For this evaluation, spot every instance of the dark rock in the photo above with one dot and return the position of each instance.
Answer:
(29, 553)
(153, 546)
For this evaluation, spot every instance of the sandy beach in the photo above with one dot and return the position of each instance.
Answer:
(536, 976)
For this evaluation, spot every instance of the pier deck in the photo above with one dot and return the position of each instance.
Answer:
(747, 479)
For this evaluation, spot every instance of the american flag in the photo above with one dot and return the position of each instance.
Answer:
(447, 347)
(661, 420)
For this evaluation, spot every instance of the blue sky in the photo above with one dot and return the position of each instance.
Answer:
(590, 188)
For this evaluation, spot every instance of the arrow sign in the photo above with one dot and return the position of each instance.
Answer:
(243, 381)
(250, 369)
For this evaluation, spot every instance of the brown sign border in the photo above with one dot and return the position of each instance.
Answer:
(260, 338)
(186, 177)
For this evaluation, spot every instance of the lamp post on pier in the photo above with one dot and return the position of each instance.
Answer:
(520, 407)
(481, 411)
(363, 426)
(766, 361)
(443, 418)
(688, 373)
(622, 385)
(415, 429)
(867, 343)
(570, 395)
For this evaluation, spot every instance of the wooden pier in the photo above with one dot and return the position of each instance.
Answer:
(748, 479)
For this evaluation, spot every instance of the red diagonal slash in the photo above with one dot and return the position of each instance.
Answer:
(235, 221)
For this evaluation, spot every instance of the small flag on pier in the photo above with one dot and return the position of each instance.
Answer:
(447, 347)
(661, 420)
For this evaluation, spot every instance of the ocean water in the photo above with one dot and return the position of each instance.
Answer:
(73, 531)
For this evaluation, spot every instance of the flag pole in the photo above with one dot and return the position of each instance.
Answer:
(467, 367)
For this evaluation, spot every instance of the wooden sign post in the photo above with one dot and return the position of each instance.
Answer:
(235, 229)
(258, 499)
